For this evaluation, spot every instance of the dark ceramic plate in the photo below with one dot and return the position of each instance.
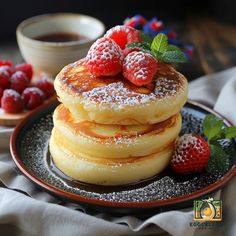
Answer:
(29, 148)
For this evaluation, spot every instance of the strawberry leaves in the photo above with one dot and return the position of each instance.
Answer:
(160, 49)
(215, 131)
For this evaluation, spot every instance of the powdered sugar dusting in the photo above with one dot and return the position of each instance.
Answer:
(118, 96)
(12, 93)
(118, 28)
(4, 71)
(139, 65)
(108, 50)
(182, 143)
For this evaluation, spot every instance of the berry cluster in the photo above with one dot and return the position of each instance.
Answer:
(17, 92)
(154, 27)
(109, 55)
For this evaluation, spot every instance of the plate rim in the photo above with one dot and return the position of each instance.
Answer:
(106, 203)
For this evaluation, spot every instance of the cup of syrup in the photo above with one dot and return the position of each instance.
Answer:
(49, 42)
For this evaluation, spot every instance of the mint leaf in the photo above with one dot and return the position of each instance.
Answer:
(175, 56)
(219, 161)
(157, 55)
(229, 132)
(172, 48)
(145, 37)
(143, 46)
(160, 43)
(212, 127)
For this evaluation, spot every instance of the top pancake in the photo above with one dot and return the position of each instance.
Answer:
(114, 100)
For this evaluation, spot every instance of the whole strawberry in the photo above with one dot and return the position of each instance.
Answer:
(104, 58)
(11, 101)
(139, 68)
(191, 154)
(123, 35)
(33, 97)
(19, 81)
(26, 68)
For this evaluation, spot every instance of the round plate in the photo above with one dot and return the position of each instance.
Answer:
(29, 148)
(7, 119)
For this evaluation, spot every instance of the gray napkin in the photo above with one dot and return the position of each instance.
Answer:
(29, 211)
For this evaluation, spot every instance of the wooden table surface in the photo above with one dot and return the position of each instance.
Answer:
(214, 43)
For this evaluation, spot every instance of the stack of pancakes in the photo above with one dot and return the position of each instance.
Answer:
(108, 131)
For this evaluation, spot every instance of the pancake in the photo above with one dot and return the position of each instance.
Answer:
(113, 141)
(114, 100)
(102, 171)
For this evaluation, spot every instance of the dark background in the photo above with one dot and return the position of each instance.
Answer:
(112, 12)
(210, 25)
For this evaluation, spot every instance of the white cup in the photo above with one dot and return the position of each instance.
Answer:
(51, 57)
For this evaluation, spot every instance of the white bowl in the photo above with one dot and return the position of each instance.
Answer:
(51, 57)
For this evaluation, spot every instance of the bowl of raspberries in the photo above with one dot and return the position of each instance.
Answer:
(21, 90)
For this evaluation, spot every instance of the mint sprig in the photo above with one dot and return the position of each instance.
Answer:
(219, 161)
(215, 131)
(160, 49)
(145, 37)
(160, 43)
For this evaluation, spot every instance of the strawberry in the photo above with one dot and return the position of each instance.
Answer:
(26, 68)
(104, 58)
(46, 86)
(11, 101)
(127, 51)
(191, 154)
(139, 68)
(33, 97)
(123, 35)
(4, 77)
(19, 81)
(6, 63)
(1, 93)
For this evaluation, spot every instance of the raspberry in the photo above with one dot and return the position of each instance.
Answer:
(19, 81)
(46, 86)
(33, 97)
(26, 68)
(4, 77)
(191, 154)
(104, 58)
(11, 101)
(123, 35)
(139, 68)
(5, 63)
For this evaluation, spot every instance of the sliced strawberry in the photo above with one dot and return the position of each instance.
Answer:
(11, 101)
(139, 68)
(191, 154)
(104, 58)
(19, 81)
(123, 35)
(33, 97)
(26, 68)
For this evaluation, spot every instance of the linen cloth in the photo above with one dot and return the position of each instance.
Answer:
(25, 210)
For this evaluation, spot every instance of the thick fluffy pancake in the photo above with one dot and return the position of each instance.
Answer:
(113, 141)
(103, 171)
(114, 100)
